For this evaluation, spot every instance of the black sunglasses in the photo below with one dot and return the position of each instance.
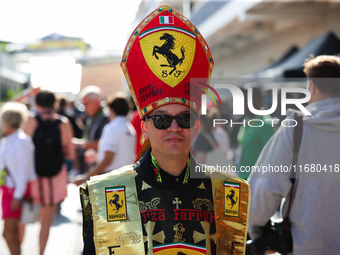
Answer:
(164, 121)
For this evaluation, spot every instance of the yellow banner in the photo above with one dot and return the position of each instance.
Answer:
(231, 204)
(116, 219)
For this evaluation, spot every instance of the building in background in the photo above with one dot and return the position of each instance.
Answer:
(98, 67)
(246, 36)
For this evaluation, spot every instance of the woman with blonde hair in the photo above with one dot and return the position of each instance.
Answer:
(17, 170)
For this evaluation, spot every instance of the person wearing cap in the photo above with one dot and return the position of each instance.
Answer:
(160, 205)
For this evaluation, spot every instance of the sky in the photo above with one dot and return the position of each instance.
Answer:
(105, 24)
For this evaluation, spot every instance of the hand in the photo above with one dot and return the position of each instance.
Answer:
(270, 252)
(15, 204)
(79, 179)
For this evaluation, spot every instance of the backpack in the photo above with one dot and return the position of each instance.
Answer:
(48, 148)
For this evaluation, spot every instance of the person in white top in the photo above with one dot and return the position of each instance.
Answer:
(116, 146)
(222, 138)
(16, 171)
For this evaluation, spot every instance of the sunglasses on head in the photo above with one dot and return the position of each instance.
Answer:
(164, 121)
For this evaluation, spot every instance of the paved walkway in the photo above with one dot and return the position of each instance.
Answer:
(65, 234)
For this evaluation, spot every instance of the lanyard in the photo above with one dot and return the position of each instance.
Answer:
(159, 178)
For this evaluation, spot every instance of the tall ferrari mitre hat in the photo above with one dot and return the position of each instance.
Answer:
(163, 53)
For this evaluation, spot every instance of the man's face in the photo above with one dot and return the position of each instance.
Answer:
(92, 105)
(173, 141)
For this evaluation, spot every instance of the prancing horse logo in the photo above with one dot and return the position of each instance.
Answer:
(115, 202)
(166, 51)
(231, 198)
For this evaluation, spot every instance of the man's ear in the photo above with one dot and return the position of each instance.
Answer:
(144, 129)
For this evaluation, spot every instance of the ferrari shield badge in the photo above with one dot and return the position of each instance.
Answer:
(231, 199)
(169, 52)
(116, 203)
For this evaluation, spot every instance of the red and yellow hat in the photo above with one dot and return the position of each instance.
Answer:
(163, 53)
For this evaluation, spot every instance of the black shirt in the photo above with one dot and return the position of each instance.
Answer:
(178, 209)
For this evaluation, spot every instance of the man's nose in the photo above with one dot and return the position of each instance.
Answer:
(174, 126)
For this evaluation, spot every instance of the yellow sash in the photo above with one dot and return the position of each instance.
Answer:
(231, 202)
(117, 224)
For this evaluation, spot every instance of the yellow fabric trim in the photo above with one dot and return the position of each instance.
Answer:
(120, 236)
(231, 231)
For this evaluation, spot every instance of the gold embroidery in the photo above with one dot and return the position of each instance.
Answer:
(122, 238)
(177, 202)
(179, 229)
(205, 236)
(200, 201)
(159, 237)
(201, 186)
(145, 185)
(152, 205)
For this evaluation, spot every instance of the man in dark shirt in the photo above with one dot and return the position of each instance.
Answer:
(91, 98)
(97, 119)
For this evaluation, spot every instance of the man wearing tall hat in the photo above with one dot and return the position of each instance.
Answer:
(155, 206)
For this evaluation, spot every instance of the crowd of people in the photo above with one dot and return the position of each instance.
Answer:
(59, 144)
(55, 147)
